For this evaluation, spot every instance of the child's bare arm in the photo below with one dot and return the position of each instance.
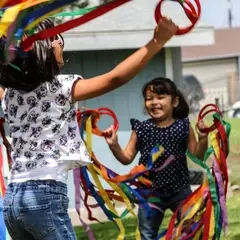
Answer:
(1, 93)
(197, 148)
(127, 155)
(126, 70)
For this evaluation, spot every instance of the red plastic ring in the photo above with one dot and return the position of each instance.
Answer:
(203, 113)
(109, 112)
(189, 10)
(96, 113)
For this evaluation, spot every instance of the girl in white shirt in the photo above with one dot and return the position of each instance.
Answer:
(40, 108)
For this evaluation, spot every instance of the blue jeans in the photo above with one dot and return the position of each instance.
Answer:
(149, 227)
(2, 225)
(38, 210)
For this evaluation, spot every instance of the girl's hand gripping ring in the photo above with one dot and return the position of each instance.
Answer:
(192, 13)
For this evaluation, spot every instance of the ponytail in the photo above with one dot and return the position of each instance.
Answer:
(182, 109)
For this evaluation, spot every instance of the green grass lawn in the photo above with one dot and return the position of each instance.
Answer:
(234, 158)
(108, 230)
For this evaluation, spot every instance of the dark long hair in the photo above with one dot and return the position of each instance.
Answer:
(28, 70)
(166, 86)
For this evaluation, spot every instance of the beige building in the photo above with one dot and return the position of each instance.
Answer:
(216, 66)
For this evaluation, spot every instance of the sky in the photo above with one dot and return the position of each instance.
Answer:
(215, 12)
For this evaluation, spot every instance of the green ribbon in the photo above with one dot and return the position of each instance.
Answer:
(15, 67)
(212, 185)
(78, 12)
(154, 200)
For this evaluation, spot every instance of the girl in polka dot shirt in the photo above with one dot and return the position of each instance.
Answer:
(168, 126)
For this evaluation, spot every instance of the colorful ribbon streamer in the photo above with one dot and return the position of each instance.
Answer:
(202, 215)
(22, 16)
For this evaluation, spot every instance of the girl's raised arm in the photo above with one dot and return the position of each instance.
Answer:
(126, 70)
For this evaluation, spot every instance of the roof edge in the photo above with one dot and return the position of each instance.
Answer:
(132, 38)
(216, 57)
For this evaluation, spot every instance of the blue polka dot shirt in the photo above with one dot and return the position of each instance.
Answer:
(174, 140)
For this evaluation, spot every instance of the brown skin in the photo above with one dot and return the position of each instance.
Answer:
(160, 108)
(58, 52)
(1, 93)
(126, 70)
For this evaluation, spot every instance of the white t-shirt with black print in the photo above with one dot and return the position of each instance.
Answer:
(46, 142)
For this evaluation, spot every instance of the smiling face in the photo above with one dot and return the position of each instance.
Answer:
(159, 106)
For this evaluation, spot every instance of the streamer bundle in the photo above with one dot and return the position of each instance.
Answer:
(19, 17)
(202, 216)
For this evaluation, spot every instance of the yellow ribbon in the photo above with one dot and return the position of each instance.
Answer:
(102, 191)
(212, 224)
(1, 193)
(8, 17)
(35, 22)
(189, 216)
(215, 145)
(11, 14)
(117, 189)
(198, 234)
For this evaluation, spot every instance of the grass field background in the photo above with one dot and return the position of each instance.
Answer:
(108, 230)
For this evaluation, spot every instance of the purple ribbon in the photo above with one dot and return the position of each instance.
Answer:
(222, 197)
(156, 207)
(78, 197)
(167, 162)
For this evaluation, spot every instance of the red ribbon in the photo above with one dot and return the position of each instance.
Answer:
(189, 9)
(27, 43)
(12, 3)
(203, 113)
(87, 194)
(95, 114)
(2, 184)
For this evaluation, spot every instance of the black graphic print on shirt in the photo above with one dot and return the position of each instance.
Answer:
(43, 125)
